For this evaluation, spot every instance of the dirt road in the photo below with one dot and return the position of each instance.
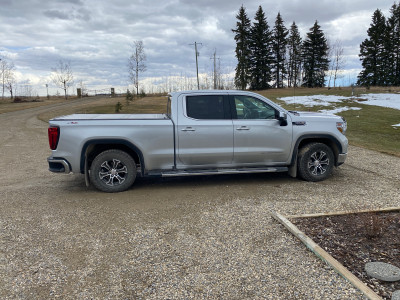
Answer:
(181, 238)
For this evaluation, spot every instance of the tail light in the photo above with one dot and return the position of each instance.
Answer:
(54, 134)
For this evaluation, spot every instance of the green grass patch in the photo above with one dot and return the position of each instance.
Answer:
(371, 127)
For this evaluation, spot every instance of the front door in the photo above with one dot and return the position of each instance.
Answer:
(258, 137)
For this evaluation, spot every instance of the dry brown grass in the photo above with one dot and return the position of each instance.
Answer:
(106, 105)
(7, 105)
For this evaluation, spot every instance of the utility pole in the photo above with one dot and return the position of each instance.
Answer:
(215, 70)
(197, 64)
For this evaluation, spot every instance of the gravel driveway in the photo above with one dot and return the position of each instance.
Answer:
(182, 238)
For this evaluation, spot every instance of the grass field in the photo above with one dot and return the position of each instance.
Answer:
(371, 127)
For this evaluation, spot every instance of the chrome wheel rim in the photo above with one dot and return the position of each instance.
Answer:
(113, 172)
(318, 163)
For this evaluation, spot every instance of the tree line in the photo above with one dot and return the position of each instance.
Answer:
(278, 57)
(380, 52)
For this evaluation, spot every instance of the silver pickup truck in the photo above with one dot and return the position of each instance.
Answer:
(202, 133)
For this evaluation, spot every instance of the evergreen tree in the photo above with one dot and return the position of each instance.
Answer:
(315, 57)
(242, 38)
(294, 52)
(260, 45)
(279, 51)
(394, 40)
(373, 53)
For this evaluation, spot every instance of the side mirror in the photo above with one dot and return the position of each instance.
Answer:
(282, 118)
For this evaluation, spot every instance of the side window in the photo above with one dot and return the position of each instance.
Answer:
(205, 107)
(252, 108)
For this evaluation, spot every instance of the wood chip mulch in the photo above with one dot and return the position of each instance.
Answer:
(355, 239)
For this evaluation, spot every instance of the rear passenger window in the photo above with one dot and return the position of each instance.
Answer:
(205, 107)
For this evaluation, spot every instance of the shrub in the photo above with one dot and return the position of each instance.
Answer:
(129, 96)
(118, 107)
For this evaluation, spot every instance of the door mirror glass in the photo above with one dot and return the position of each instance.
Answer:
(282, 118)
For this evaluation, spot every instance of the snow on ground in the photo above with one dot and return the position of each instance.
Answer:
(314, 100)
(338, 109)
(384, 100)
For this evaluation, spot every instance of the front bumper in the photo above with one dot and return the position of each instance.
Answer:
(58, 165)
(341, 159)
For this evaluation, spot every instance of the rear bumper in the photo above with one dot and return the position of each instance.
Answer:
(58, 165)
(341, 159)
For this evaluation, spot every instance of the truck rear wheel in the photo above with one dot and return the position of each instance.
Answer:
(113, 171)
(315, 162)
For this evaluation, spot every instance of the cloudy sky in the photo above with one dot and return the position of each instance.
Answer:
(96, 35)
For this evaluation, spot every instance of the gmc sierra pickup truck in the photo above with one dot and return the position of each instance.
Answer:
(202, 133)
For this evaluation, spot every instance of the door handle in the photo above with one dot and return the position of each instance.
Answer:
(243, 128)
(188, 129)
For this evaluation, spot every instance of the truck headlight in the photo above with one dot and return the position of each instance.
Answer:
(342, 126)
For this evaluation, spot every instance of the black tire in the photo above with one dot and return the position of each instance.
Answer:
(113, 171)
(315, 162)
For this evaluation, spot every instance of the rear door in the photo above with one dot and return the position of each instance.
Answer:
(205, 131)
(258, 137)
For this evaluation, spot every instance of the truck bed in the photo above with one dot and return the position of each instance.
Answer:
(80, 117)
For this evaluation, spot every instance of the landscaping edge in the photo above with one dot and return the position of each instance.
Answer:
(325, 256)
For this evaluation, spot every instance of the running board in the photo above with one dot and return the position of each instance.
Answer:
(222, 171)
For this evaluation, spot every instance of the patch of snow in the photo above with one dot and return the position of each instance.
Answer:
(338, 110)
(314, 100)
(384, 100)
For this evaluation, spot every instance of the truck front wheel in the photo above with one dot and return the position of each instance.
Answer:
(315, 162)
(113, 171)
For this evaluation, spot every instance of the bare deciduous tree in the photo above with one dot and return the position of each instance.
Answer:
(10, 81)
(337, 62)
(62, 76)
(136, 63)
(25, 89)
(7, 76)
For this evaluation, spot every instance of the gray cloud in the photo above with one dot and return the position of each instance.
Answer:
(56, 14)
(96, 35)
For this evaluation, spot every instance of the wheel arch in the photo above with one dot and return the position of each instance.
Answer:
(326, 139)
(94, 147)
